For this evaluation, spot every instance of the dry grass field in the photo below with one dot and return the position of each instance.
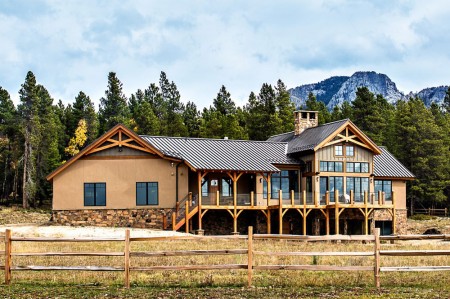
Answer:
(226, 283)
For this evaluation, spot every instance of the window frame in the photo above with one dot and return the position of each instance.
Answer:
(147, 194)
(350, 167)
(353, 150)
(341, 150)
(324, 166)
(95, 194)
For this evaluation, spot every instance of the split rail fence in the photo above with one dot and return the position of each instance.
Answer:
(250, 266)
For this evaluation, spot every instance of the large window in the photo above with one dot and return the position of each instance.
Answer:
(331, 184)
(358, 185)
(383, 186)
(360, 167)
(330, 166)
(285, 181)
(146, 194)
(95, 194)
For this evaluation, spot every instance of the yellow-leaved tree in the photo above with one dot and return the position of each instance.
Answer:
(77, 141)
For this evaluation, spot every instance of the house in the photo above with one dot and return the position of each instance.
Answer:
(315, 180)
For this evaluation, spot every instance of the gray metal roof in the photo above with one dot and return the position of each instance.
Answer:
(221, 154)
(386, 165)
(309, 138)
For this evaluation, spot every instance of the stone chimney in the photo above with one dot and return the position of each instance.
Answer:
(305, 119)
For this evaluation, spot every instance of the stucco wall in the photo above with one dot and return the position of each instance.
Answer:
(120, 176)
(399, 188)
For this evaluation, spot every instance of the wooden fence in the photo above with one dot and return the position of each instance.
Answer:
(252, 254)
(432, 212)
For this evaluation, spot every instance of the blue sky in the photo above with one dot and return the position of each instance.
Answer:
(72, 45)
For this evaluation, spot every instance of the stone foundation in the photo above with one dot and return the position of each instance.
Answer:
(137, 218)
(385, 215)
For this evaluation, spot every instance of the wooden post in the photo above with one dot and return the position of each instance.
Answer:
(316, 198)
(190, 198)
(394, 216)
(252, 199)
(304, 212)
(327, 224)
(269, 190)
(174, 220)
(164, 222)
(217, 198)
(269, 229)
(8, 263)
(336, 211)
(352, 197)
(127, 259)
(327, 198)
(186, 212)
(380, 200)
(199, 182)
(280, 212)
(235, 203)
(250, 256)
(292, 198)
(377, 257)
(366, 217)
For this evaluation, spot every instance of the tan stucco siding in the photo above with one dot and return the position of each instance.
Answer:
(399, 188)
(120, 176)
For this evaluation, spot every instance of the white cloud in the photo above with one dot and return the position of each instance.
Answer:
(71, 46)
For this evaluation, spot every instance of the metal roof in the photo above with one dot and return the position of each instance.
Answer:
(309, 138)
(222, 154)
(386, 165)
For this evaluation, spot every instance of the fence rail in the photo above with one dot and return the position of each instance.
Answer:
(249, 251)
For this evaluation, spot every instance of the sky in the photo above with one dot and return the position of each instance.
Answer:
(71, 46)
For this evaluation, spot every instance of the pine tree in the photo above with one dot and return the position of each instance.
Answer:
(191, 119)
(83, 108)
(285, 107)
(171, 97)
(28, 110)
(145, 119)
(314, 105)
(223, 102)
(113, 107)
(368, 114)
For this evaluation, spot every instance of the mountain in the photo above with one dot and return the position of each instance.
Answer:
(335, 90)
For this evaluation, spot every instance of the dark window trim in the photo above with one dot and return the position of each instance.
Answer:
(327, 163)
(146, 194)
(360, 167)
(95, 194)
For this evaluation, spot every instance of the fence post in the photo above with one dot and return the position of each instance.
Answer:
(8, 256)
(127, 259)
(376, 269)
(250, 256)
(186, 219)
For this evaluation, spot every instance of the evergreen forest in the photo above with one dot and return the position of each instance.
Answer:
(39, 134)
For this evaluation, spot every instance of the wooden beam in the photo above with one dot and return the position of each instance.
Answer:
(336, 212)
(280, 212)
(250, 256)
(127, 259)
(199, 185)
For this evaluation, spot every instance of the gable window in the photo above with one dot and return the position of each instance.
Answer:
(359, 167)
(95, 194)
(350, 150)
(338, 151)
(383, 186)
(331, 166)
(146, 193)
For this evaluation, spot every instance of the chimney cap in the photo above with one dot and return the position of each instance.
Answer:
(225, 138)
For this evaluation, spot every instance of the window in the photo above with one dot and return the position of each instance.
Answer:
(227, 187)
(360, 167)
(349, 150)
(146, 194)
(95, 194)
(205, 187)
(331, 184)
(383, 186)
(358, 185)
(331, 166)
(285, 181)
(338, 150)
(308, 167)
